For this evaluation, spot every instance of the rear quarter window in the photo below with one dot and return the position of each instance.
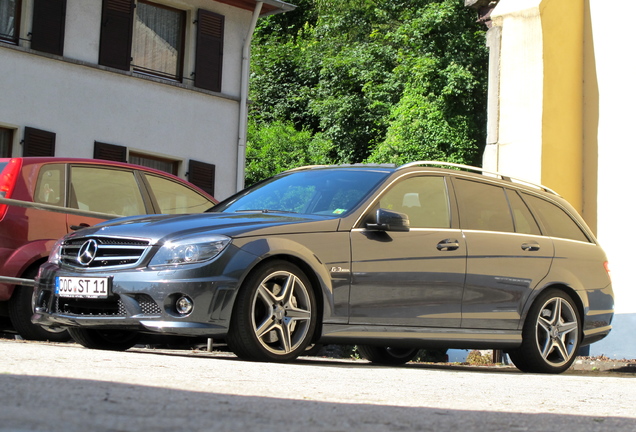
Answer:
(525, 222)
(50, 188)
(556, 222)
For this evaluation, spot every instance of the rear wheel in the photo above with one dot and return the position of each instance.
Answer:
(274, 315)
(21, 310)
(551, 335)
(110, 340)
(387, 355)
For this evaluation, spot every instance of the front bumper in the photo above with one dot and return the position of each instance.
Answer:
(140, 300)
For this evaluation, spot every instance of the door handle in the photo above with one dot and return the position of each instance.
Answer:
(531, 247)
(78, 227)
(448, 245)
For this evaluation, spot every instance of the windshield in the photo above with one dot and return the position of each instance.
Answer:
(320, 192)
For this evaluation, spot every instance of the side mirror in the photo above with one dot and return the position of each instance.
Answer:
(387, 220)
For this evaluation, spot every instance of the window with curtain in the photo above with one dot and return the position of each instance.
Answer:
(10, 20)
(158, 36)
(155, 36)
(6, 139)
(167, 165)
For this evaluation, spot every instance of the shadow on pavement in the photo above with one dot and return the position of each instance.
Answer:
(31, 403)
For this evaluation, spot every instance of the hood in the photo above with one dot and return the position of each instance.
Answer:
(159, 228)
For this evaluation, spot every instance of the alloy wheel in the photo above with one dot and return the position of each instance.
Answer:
(281, 312)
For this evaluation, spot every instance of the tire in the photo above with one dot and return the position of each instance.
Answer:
(386, 355)
(21, 310)
(551, 335)
(313, 350)
(109, 340)
(274, 316)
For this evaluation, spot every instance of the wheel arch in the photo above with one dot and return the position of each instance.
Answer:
(317, 285)
(23, 259)
(575, 295)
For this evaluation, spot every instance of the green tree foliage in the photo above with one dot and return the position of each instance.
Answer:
(278, 146)
(362, 80)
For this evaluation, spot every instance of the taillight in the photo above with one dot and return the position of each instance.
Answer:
(607, 269)
(8, 179)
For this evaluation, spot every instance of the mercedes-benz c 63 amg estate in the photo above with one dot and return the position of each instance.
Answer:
(392, 259)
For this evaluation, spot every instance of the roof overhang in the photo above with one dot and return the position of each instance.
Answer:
(270, 7)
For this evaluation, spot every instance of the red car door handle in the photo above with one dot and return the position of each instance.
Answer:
(80, 226)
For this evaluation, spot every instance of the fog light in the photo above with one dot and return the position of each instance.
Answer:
(184, 305)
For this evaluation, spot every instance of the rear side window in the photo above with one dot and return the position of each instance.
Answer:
(175, 198)
(556, 221)
(106, 191)
(483, 207)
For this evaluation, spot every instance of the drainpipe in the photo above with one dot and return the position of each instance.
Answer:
(245, 78)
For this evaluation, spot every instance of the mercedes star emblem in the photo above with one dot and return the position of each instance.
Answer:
(87, 252)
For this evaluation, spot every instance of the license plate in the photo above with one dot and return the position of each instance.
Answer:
(82, 287)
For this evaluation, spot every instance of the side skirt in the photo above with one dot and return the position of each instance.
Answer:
(420, 337)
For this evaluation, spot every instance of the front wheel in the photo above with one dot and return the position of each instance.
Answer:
(387, 355)
(21, 310)
(110, 340)
(275, 314)
(551, 335)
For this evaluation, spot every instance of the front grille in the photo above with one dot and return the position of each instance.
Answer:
(90, 307)
(110, 307)
(96, 252)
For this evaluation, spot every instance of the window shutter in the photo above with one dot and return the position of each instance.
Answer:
(209, 51)
(49, 18)
(109, 152)
(116, 34)
(201, 174)
(38, 142)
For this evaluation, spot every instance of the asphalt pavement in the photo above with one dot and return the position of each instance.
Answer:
(65, 387)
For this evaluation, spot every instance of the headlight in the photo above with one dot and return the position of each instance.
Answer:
(56, 252)
(190, 250)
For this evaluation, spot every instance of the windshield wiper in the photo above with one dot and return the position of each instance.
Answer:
(264, 211)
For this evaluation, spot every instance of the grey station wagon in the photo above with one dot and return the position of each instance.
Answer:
(392, 259)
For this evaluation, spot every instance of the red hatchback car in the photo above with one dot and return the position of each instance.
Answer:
(101, 189)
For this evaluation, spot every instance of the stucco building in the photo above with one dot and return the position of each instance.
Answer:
(160, 83)
(560, 114)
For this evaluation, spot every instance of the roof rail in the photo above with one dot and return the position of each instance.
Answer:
(355, 165)
(304, 167)
(477, 169)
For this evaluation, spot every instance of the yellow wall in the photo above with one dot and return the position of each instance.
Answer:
(562, 148)
(565, 82)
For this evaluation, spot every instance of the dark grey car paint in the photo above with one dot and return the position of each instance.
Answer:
(396, 288)
(403, 278)
(501, 274)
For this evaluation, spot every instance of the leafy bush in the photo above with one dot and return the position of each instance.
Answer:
(278, 146)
